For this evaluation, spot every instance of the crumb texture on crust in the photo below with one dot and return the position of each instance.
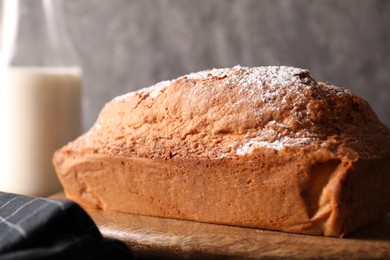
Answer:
(227, 113)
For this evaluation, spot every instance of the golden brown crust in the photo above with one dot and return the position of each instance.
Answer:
(265, 147)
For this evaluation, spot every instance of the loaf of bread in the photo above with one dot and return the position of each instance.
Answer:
(263, 147)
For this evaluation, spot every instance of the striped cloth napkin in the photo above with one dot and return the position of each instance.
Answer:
(40, 228)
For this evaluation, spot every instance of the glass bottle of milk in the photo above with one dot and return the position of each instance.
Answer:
(39, 95)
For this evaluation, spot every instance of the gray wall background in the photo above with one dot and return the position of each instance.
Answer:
(125, 45)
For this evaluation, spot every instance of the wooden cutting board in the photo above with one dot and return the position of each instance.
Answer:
(152, 238)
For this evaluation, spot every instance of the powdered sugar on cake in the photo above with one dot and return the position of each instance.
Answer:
(272, 76)
(270, 86)
(261, 84)
(152, 92)
(277, 145)
(231, 112)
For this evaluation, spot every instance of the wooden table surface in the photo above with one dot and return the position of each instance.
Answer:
(160, 238)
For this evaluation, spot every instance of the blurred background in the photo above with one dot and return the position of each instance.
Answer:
(125, 45)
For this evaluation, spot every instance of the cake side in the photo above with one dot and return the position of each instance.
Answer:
(311, 193)
(263, 191)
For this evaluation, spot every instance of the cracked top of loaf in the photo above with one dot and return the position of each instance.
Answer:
(231, 112)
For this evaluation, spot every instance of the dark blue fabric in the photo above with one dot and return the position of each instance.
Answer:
(40, 228)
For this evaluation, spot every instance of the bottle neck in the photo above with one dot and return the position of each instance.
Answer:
(33, 35)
